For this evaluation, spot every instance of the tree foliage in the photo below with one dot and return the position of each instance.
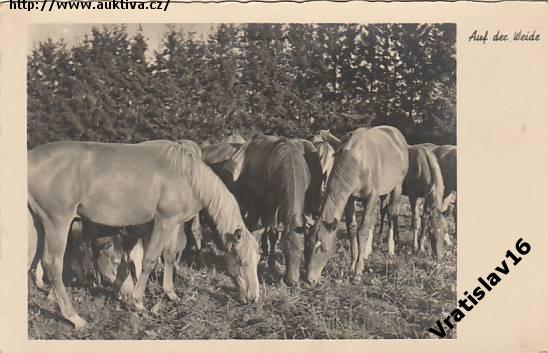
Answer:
(286, 79)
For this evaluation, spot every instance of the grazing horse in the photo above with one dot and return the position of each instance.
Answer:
(123, 184)
(424, 180)
(273, 179)
(369, 163)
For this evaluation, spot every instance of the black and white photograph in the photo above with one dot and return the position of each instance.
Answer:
(277, 181)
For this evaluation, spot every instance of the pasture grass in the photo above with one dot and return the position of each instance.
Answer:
(398, 297)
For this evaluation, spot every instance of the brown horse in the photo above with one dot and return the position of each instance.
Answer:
(424, 180)
(122, 184)
(369, 163)
(273, 180)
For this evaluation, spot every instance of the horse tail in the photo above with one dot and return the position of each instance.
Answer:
(292, 195)
(437, 189)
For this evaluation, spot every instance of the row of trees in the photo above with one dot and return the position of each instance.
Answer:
(287, 79)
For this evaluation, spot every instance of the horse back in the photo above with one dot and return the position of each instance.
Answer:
(447, 160)
(382, 157)
(276, 169)
(423, 173)
(112, 184)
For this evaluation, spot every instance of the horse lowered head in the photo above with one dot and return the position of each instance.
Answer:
(320, 248)
(437, 233)
(242, 260)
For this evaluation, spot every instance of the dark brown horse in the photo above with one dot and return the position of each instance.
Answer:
(121, 185)
(424, 180)
(273, 180)
(369, 163)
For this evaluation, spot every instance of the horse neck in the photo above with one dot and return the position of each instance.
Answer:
(336, 198)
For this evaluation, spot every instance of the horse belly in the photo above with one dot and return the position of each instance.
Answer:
(119, 204)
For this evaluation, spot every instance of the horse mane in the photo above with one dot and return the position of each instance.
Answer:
(220, 204)
(192, 146)
(324, 149)
(437, 189)
(340, 185)
(236, 162)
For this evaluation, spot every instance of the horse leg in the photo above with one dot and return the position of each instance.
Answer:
(183, 236)
(365, 235)
(351, 225)
(153, 250)
(383, 215)
(273, 236)
(56, 231)
(393, 211)
(170, 254)
(36, 249)
(196, 231)
(415, 221)
(136, 257)
(39, 276)
(264, 242)
(426, 209)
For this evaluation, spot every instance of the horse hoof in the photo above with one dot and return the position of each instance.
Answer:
(356, 279)
(78, 322)
(173, 297)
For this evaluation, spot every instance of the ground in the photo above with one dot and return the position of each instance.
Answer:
(398, 297)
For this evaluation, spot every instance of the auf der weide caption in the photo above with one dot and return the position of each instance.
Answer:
(478, 36)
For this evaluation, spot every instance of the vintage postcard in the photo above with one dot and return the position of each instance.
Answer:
(265, 176)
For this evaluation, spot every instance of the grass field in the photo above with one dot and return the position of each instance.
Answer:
(399, 297)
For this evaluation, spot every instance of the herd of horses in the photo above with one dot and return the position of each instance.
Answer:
(133, 204)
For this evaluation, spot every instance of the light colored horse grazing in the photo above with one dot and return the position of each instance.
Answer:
(424, 180)
(122, 184)
(274, 180)
(370, 163)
